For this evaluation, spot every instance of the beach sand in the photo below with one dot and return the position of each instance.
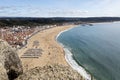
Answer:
(52, 52)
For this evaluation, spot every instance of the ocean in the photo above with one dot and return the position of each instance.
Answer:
(96, 48)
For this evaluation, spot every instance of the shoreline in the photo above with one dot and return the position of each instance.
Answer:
(53, 52)
(71, 61)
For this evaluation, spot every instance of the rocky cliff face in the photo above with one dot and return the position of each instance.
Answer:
(51, 72)
(11, 68)
(10, 64)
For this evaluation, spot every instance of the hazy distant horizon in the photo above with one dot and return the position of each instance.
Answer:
(58, 16)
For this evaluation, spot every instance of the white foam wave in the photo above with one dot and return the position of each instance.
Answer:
(75, 66)
(72, 62)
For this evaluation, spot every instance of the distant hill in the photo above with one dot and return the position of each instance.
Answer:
(31, 21)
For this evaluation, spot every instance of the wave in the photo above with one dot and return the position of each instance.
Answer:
(71, 61)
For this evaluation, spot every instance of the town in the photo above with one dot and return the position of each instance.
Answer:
(16, 36)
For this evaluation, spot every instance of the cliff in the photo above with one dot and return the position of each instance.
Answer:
(51, 72)
(11, 68)
(10, 64)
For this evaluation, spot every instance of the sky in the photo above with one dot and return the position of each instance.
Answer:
(59, 8)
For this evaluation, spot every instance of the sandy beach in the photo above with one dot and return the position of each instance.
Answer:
(52, 52)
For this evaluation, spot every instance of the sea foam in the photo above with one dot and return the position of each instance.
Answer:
(71, 61)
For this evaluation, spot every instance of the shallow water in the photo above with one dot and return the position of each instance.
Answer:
(96, 48)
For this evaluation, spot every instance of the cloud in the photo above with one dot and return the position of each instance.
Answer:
(4, 7)
(81, 8)
(68, 11)
(64, 12)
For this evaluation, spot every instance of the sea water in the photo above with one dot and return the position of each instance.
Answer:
(96, 48)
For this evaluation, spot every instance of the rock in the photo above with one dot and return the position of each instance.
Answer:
(10, 64)
(51, 72)
(3, 74)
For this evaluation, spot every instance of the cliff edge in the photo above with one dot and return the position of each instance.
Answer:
(11, 68)
(51, 72)
(10, 64)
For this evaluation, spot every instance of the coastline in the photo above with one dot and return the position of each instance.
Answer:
(53, 52)
(71, 61)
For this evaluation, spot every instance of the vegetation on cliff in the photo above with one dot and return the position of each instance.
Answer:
(51, 72)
